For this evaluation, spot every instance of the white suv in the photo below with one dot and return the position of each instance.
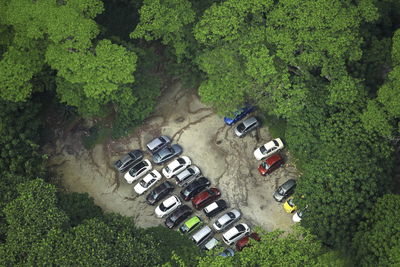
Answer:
(235, 233)
(176, 166)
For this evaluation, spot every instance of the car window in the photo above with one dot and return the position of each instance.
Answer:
(233, 237)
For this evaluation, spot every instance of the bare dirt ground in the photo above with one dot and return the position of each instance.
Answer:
(223, 158)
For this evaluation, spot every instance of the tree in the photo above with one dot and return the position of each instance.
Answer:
(78, 207)
(299, 248)
(281, 47)
(348, 172)
(378, 237)
(168, 20)
(30, 217)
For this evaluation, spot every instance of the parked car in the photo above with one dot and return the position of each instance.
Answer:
(289, 205)
(227, 253)
(238, 115)
(297, 216)
(158, 143)
(246, 126)
(186, 176)
(215, 208)
(270, 164)
(178, 216)
(168, 206)
(176, 166)
(130, 159)
(148, 181)
(206, 197)
(190, 225)
(138, 171)
(202, 235)
(167, 153)
(159, 192)
(244, 242)
(194, 188)
(268, 149)
(235, 233)
(285, 190)
(227, 220)
(212, 243)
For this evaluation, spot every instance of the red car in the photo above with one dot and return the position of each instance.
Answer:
(205, 198)
(271, 164)
(245, 241)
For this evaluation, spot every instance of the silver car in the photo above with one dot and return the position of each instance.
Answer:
(226, 220)
(167, 153)
(158, 143)
(246, 126)
(188, 175)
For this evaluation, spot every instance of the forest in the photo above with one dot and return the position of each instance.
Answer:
(326, 71)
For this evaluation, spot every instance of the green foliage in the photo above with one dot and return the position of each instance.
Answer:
(20, 158)
(166, 20)
(170, 243)
(97, 135)
(350, 169)
(378, 240)
(78, 207)
(30, 217)
(299, 248)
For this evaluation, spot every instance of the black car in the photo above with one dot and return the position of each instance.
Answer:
(194, 188)
(285, 190)
(128, 160)
(159, 192)
(215, 208)
(178, 216)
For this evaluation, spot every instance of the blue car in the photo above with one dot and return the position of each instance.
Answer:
(239, 114)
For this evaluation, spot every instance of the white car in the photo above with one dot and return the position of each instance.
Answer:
(235, 233)
(268, 149)
(148, 181)
(297, 216)
(168, 206)
(138, 171)
(176, 166)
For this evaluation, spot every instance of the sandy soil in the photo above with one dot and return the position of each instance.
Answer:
(226, 160)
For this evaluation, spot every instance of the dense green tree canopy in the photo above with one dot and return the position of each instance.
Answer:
(378, 239)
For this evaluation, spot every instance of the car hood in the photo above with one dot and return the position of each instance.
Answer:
(139, 189)
(228, 121)
(278, 196)
(261, 169)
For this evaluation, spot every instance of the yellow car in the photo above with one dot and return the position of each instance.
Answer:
(289, 205)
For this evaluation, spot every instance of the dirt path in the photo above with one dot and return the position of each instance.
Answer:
(227, 161)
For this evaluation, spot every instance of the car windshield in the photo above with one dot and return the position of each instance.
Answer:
(264, 165)
(163, 208)
(230, 214)
(240, 228)
(184, 228)
(263, 150)
(290, 202)
(162, 139)
(275, 143)
(167, 169)
(181, 161)
(281, 191)
(143, 183)
(241, 127)
(218, 224)
(118, 163)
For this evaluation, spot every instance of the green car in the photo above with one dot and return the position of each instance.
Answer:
(190, 225)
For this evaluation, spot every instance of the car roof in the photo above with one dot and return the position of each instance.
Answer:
(288, 184)
(249, 121)
(169, 201)
(192, 221)
(272, 159)
(211, 207)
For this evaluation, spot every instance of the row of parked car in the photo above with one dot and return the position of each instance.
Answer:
(194, 186)
(270, 157)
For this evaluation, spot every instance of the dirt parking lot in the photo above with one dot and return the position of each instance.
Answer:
(226, 160)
